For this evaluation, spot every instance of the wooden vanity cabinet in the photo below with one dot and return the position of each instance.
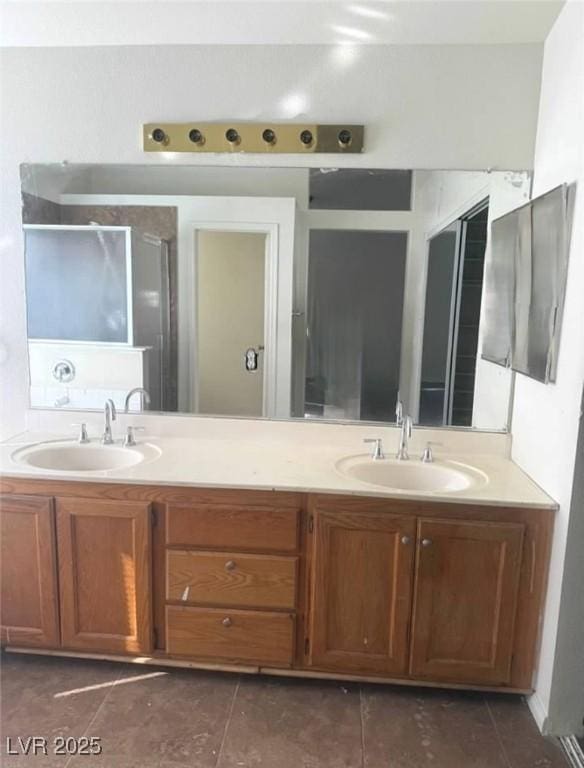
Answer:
(312, 585)
(104, 575)
(29, 614)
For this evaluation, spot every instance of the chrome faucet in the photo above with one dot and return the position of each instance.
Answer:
(110, 415)
(405, 434)
(144, 398)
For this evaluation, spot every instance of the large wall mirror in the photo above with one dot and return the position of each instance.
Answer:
(264, 292)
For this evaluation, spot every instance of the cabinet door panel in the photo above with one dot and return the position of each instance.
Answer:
(361, 591)
(104, 567)
(29, 609)
(467, 577)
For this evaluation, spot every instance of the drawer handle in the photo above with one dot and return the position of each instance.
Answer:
(227, 622)
(426, 542)
(230, 565)
(405, 539)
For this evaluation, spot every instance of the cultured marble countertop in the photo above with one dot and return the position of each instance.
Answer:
(264, 463)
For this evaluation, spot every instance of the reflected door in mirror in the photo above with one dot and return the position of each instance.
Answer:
(231, 269)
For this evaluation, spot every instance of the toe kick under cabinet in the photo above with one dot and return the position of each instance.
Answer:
(433, 593)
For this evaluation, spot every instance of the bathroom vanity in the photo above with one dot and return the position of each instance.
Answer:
(346, 581)
(274, 542)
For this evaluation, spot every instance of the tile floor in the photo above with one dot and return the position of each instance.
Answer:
(159, 718)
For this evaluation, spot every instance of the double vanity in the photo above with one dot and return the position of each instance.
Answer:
(286, 554)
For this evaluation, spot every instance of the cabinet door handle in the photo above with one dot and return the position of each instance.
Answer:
(426, 542)
(230, 565)
(405, 539)
(226, 622)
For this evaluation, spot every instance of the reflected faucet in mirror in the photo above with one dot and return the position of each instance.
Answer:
(144, 398)
(399, 410)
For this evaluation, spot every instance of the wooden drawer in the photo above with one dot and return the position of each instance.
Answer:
(224, 526)
(225, 578)
(237, 636)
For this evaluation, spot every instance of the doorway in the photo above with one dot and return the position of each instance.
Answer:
(231, 305)
(456, 261)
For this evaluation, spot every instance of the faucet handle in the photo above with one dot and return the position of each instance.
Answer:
(377, 452)
(83, 436)
(130, 439)
(428, 455)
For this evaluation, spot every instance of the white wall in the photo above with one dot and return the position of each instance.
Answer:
(217, 22)
(546, 417)
(424, 106)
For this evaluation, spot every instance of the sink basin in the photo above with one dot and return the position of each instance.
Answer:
(412, 475)
(70, 456)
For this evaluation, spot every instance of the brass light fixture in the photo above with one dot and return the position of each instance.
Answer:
(283, 138)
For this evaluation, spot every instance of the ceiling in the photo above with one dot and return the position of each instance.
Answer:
(275, 22)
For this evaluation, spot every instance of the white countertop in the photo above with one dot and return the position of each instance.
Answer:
(274, 463)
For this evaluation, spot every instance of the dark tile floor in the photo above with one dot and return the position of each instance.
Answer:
(160, 718)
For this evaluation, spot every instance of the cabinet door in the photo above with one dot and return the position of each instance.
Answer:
(29, 609)
(467, 577)
(361, 591)
(104, 573)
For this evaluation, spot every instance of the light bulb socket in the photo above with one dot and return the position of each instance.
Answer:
(159, 136)
(345, 138)
(232, 136)
(196, 137)
(269, 136)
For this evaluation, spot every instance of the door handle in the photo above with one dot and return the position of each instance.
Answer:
(251, 359)
(252, 355)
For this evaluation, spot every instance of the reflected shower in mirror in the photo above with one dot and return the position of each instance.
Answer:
(303, 293)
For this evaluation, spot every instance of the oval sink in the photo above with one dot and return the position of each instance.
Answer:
(412, 475)
(69, 456)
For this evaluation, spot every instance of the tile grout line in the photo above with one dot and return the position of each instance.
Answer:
(499, 739)
(362, 727)
(96, 713)
(227, 722)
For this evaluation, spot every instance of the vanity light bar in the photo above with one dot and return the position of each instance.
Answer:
(282, 138)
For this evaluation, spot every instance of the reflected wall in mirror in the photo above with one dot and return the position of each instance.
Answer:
(264, 292)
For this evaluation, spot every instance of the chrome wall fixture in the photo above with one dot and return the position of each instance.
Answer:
(282, 138)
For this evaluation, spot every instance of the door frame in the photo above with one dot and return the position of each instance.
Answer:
(454, 320)
(270, 230)
(462, 223)
(476, 204)
(453, 314)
